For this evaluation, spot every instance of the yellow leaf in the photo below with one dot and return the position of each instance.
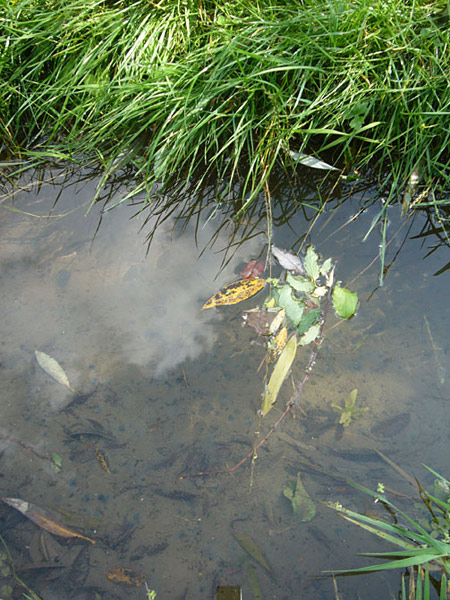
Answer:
(235, 292)
(279, 374)
(277, 322)
(279, 342)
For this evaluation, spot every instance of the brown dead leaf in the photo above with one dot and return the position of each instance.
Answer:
(40, 517)
(126, 576)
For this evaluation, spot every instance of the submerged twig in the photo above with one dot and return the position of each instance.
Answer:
(32, 450)
(439, 367)
(292, 403)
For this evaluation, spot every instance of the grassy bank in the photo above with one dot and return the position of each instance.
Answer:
(230, 88)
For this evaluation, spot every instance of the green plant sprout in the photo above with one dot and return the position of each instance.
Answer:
(151, 594)
(350, 411)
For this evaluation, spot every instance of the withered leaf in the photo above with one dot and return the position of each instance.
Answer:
(40, 517)
(248, 544)
(52, 368)
(260, 320)
(235, 292)
(126, 576)
(102, 460)
(279, 374)
(279, 342)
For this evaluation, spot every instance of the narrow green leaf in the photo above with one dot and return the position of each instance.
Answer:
(279, 374)
(393, 564)
(248, 544)
(443, 594)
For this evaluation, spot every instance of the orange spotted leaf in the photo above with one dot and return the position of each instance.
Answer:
(126, 576)
(235, 292)
(279, 342)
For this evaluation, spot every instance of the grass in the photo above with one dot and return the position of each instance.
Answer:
(424, 539)
(203, 91)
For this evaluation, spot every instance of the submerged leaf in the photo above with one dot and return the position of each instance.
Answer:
(249, 545)
(279, 374)
(345, 302)
(126, 576)
(302, 505)
(235, 292)
(253, 582)
(260, 320)
(52, 368)
(40, 517)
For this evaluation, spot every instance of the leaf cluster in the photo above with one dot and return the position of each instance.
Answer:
(297, 299)
(300, 296)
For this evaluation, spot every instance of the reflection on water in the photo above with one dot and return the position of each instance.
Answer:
(163, 389)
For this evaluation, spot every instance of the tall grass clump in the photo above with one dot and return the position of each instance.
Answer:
(231, 89)
(424, 539)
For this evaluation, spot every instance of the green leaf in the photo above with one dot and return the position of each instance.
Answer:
(312, 263)
(294, 307)
(279, 374)
(310, 318)
(56, 462)
(299, 283)
(326, 266)
(248, 544)
(344, 302)
(310, 335)
(302, 505)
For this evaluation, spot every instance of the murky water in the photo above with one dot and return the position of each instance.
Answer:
(163, 390)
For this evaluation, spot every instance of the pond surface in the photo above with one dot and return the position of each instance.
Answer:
(162, 390)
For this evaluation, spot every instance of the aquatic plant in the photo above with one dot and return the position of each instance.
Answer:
(189, 90)
(350, 411)
(424, 539)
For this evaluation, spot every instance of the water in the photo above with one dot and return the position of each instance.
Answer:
(164, 390)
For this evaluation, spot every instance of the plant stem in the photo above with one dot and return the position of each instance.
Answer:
(292, 403)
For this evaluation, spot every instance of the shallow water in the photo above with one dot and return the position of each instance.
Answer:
(163, 390)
